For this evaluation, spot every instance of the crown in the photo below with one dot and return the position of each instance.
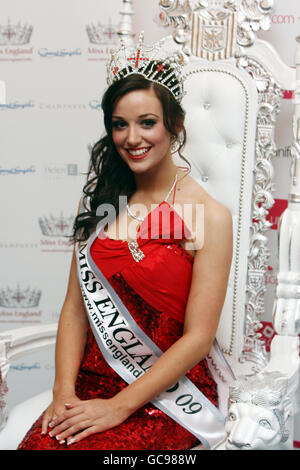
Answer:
(20, 298)
(56, 226)
(15, 34)
(151, 62)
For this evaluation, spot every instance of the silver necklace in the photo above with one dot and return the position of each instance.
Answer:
(141, 219)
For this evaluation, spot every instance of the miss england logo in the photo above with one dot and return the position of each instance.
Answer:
(56, 231)
(20, 298)
(56, 226)
(102, 34)
(15, 35)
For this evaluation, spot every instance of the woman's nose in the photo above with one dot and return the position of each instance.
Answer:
(133, 136)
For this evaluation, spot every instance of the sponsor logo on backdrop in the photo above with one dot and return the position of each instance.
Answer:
(284, 152)
(13, 105)
(102, 37)
(288, 94)
(57, 172)
(15, 245)
(62, 106)
(55, 230)
(20, 305)
(28, 366)
(14, 42)
(283, 19)
(268, 332)
(23, 366)
(95, 104)
(270, 277)
(46, 53)
(17, 170)
(275, 212)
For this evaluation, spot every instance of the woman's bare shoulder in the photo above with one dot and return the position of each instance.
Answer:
(193, 192)
(209, 218)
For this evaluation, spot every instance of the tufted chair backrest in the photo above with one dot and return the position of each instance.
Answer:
(221, 117)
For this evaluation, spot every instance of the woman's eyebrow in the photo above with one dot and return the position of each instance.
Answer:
(141, 116)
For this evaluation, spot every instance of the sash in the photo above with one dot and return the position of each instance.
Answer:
(130, 353)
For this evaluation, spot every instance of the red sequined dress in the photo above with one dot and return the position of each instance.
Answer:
(155, 291)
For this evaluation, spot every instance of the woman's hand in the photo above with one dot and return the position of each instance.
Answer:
(83, 418)
(57, 408)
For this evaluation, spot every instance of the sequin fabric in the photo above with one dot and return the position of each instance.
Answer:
(156, 300)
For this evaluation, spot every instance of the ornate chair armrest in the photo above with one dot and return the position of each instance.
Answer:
(17, 342)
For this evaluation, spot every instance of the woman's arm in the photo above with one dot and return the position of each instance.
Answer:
(71, 336)
(70, 343)
(208, 288)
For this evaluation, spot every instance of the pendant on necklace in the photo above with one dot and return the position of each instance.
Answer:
(135, 250)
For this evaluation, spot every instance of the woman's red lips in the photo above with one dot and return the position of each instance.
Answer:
(138, 157)
(141, 148)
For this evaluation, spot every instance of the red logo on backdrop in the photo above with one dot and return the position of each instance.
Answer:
(288, 94)
(267, 333)
(275, 212)
(270, 276)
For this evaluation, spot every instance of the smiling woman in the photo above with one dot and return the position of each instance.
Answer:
(136, 138)
(141, 313)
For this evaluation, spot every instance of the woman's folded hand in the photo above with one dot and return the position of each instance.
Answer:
(80, 419)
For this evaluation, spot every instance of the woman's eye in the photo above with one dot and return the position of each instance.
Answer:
(148, 122)
(118, 124)
(121, 124)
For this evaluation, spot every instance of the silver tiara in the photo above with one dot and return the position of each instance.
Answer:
(151, 62)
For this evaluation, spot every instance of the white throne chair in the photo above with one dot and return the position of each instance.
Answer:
(234, 83)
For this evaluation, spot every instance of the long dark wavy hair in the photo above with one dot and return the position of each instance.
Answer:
(108, 175)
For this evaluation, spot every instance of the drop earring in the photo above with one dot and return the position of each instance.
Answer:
(175, 142)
